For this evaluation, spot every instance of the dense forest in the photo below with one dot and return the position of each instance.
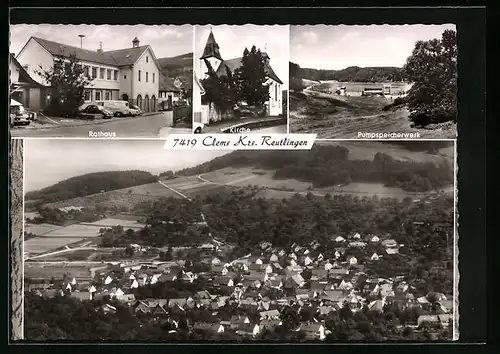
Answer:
(90, 183)
(349, 74)
(329, 165)
(64, 318)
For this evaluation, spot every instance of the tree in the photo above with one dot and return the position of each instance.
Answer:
(432, 68)
(251, 76)
(220, 90)
(67, 81)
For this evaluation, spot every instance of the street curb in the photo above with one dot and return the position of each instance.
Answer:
(93, 122)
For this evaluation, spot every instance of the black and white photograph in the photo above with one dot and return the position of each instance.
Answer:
(374, 81)
(351, 241)
(241, 79)
(100, 80)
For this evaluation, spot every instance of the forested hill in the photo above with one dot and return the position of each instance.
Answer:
(352, 74)
(91, 183)
(330, 165)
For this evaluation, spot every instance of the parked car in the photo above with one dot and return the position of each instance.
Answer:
(18, 115)
(119, 108)
(93, 111)
(134, 110)
(198, 127)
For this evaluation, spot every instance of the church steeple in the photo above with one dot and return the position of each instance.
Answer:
(211, 48)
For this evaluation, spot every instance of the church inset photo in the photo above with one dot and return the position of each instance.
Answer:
(241, 79)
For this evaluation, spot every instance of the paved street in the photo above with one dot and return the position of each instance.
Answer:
(216, 128)
(131, 127)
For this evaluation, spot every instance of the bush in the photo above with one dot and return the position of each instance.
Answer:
(296, 84)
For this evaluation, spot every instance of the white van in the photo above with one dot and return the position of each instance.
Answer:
(119, 108)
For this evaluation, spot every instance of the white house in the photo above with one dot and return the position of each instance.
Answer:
(23, 88)
(212, 57)
(374, 257)
(339, 239)
(352, 260)
(124, 74)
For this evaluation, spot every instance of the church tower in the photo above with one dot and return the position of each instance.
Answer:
(211, 54)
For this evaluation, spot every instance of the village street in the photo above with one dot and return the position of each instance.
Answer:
(147, 126)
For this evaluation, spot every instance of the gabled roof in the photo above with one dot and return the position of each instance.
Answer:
(233, 64)
(24, 77)
(120, 57)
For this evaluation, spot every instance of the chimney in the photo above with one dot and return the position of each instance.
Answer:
(100, 48)
(135, 42)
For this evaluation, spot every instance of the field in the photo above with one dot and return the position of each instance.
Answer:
(44, 244)
(332, 116)
(78, 255)
(127, 224)
(40, 229)
(75, 230)
(37, 270)
(107, 199)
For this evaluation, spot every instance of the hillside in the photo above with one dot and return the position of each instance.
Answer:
(352, 74)
(178, 67)
(90, 183)
(330, 165)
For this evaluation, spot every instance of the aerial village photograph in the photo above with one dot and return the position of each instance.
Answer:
(349, 82)
(100, 80)
(351, 241)
(241, 79)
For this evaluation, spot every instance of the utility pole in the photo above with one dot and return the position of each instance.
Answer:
(81, 39)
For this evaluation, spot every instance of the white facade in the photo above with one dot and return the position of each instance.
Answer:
(108, 82)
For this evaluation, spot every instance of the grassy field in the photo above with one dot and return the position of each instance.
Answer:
(341, 117)
(42, 244)
(127, 224)
(107, 199)
(76, 231)
(32, 270)
(40, 229)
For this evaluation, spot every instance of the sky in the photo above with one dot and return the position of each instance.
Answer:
(338, 47)
(48, 161)
(232, 41)
(166, 41)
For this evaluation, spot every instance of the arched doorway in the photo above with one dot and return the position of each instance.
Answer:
(139, 101)
(153, 103)
(146, 103)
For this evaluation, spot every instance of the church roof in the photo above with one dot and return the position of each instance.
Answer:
(211, 48)
(233, 64)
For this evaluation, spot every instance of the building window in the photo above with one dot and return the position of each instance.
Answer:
(124, 77)
(87, 95)
(153, 78)
(147, 58)
(98, 95)
(101, 73)
(94, 73)
(86, 71)
(115, 73)
(275, 92)
(108, 74)
(139, 77)
(146, 76)
(108, 95)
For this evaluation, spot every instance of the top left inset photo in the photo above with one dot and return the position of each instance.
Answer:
(100, 81)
